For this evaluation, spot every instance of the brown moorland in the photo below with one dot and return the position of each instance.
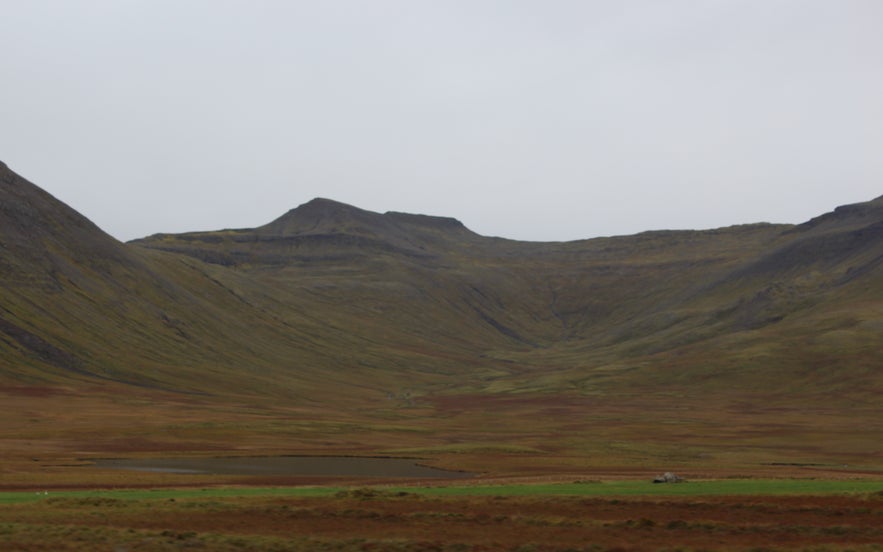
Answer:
(377, 520)
(748, 350)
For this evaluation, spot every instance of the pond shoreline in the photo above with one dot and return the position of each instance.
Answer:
(285, 465)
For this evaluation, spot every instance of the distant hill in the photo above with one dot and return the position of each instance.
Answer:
(331, 303)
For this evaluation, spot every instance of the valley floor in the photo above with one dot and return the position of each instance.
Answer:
(49, 438)
(373, 519)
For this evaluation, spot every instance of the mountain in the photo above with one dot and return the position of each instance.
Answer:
(77, 306)
(337, 328)
(321, 228)
(531, 302)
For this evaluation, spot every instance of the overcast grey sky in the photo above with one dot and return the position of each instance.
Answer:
(539, 120)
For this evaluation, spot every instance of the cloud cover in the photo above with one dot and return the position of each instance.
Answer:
(551, 120)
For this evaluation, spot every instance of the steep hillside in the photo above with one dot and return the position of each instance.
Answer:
(76, 305)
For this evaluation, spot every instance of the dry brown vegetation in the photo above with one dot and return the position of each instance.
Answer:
(49, 435)
(373, 520)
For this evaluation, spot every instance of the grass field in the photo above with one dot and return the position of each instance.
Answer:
(766, 487)
(728, 515)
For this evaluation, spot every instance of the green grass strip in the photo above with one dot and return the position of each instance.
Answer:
(608, 488)
(641, 488)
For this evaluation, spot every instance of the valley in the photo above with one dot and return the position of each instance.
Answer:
(751, 349)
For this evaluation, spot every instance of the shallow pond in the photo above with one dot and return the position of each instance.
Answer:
(327, 466)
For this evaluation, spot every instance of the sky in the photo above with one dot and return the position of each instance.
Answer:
(542, 120)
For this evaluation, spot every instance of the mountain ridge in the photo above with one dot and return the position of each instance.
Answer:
(323, 237)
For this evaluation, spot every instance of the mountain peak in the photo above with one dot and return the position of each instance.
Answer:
(324, 229)
(322, 203)
(326, 216)
(325, 201)
(32, 218)
(322, 216)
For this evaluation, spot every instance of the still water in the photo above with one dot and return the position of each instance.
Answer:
(328, 466)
